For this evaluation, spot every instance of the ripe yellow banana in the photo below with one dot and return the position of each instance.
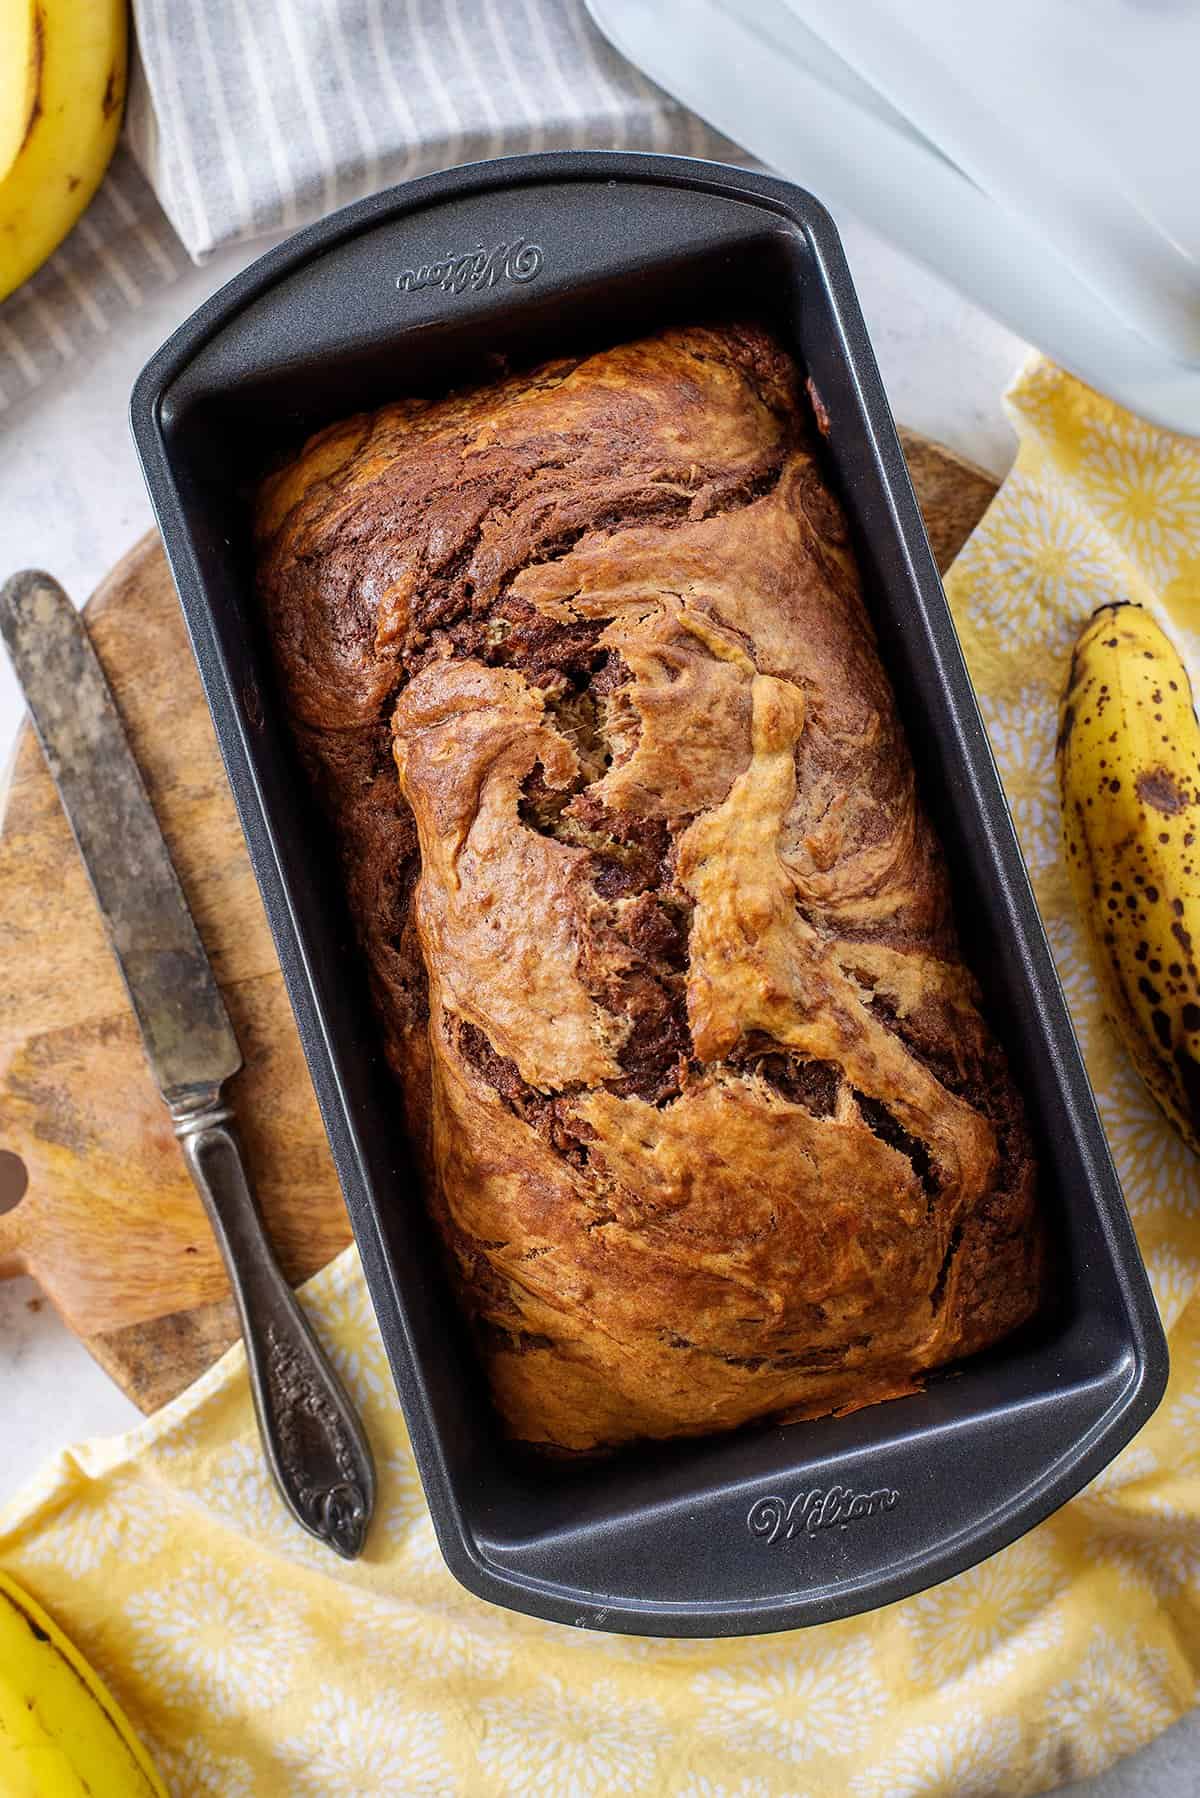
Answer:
(62, 89)
(62, 1733)
(1129, 775)
(20, 74)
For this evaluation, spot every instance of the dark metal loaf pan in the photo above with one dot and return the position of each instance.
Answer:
(417, 289)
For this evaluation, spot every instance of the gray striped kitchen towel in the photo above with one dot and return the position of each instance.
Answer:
(249, 117)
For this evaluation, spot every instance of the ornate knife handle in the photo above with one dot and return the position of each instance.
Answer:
(314, 1442)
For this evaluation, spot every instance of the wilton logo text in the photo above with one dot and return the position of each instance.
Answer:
(775, 1520)
(475, 269)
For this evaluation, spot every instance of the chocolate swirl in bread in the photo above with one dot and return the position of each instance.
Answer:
(660, 936)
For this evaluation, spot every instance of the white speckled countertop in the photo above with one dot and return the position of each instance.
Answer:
(71, 500)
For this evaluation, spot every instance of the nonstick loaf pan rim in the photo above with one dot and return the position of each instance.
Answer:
(492, 1560)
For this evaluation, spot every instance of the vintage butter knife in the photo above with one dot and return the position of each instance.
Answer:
(314, 1442)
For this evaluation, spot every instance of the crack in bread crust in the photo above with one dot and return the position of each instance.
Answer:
(661, 938)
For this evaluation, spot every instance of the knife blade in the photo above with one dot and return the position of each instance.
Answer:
(185, 1027)
(313, 1440)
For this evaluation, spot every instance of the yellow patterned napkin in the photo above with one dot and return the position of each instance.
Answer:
(256, 1664)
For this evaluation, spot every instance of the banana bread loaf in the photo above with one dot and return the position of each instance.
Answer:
(660, 936)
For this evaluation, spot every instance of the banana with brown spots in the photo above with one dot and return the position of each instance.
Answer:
(62, 1733)
(62, 92)
(1129, 777)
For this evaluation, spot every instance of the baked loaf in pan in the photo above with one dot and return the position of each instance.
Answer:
(660, 936)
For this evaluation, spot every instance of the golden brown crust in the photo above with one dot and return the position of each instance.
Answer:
(710, 1121)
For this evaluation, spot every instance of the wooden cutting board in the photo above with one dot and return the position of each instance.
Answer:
(94, 1200)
